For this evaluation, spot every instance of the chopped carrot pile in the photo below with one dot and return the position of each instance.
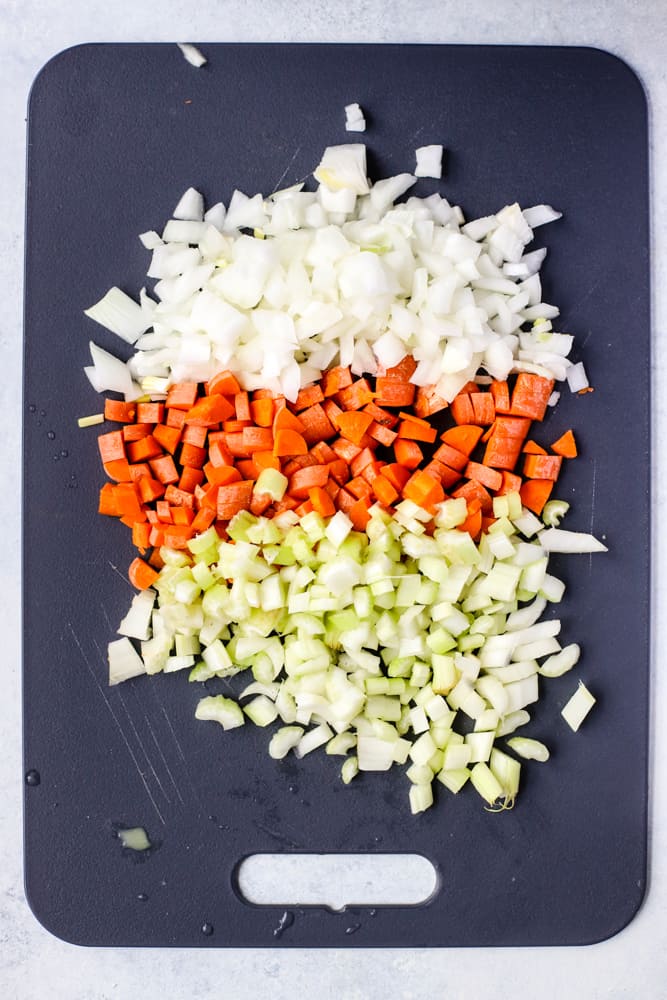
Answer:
(180, 465)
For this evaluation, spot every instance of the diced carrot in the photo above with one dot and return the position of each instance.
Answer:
(397, 475)
(224, 383)
(284, 419)
(472, 524)
(144, 449)
(450, 456)
(190, 477)
(175, 418)
(504, 446)
(177, 536)
(384, 491)
(168, 437)
(372, 469)
(111, 445)
(257, 438)
(461, 409)
(207, 496)
(316, 424)
(298, 462)
(531, 395)
(345, 449)
(333, 411)
(287, 503)
(182, 395)
(464, 438)
(335, 379)
(127, 502)
(141, 575)
(339, 471)
(501, 396)
(164, 469)
(408, 453)
(566, 446)
(193, 456)
(194, 435)
(483, 408)
(423, 490)
(289, 442)
(211, 410)
(141, 532)
(261, 411)
(383, 435)
(321, 501)
(304, 479)
(138, 470)
(265, 460)
(345, 501)
(119, 411)
(156, 536)
(179, 498)
(428, 401)
(511, 483)
(107, 504)
(360, 461)
(265, 394)
(260, 503)
(221, 475)
(150, 413)
(308, 397)
(381, 416)
(234, 426)
(150, 489)
(472, 490)
(358, 514)
(490, 478)
(182, 515)
(163, 511)
(134, 432)
(542, 466)
(219, 454)
(535, 493)
(354, 424)
(247, 468)
(355, 396)
(242, 406)
(393, 391)
(237, 446)
(414, 429)
(404, 370)
(204, 518)
(447, 477)
(233, 498)
(358, 487)
(533, 448)
(119, 470)
(323, 453)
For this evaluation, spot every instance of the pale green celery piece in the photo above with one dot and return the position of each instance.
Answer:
(454, 780)
(272, 482)
(481, 744)
(493, 691)
(341, 744)
(458, 547)
(506, 770)
(349, 770)
(419, 774)
(421, 674)
(451, 513)
(532, 576)
(220, 709)
(476, 602)
(239, 524)
(488, 721)
(485, 782)
(284, 740)
(445, 675)
(560, 663)
(203, 575)
(263, 669)
(441, 733)
(383, 707)
(421, 798)
(173, 557)
(467, 643)
(187, 645)
(554, 511)
(134, 838)
(201, 672)
(528, 749)
(503, 525)
(440, 641)
(578, 707)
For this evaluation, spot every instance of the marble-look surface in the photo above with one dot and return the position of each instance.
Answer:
(34, 964)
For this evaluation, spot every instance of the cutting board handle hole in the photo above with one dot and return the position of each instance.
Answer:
(336, 880)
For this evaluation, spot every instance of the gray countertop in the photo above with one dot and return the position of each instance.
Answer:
(32, 962)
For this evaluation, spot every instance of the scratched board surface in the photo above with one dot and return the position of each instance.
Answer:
(116, 133)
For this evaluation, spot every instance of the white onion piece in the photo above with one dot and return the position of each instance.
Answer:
(119, 313)
(111, 374)
(192, 54)
(539, 215)
(190, 207)
(577, 378)
(429, 161)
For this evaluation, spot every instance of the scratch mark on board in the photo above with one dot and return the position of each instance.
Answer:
(286, 170)
(143, 748)
(280, 837)
(118, 725)
(159, 750)
(121, 575)
(180, 751)
(593, 488)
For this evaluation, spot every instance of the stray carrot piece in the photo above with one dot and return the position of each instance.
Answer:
(397, 474)
(360, 461)
(404, 370)
(141, 532)
(483, 408)
(323, 453)
(261, 411)
(355, 396)
(219, 454)
(511, 483)
(531, 395)
(221, 475)
(175, 418)
(134, 432)
(565, 446)
(384, 491)
(179, 498)
(182, 395)
(428, 401)
(150, 413)
(242, 405)
(224, 384)
(394, 392)
(321, 501)
(333, 411)
(304, 479)
(358, 487)
(265, 460)
(119, 470)
(164, 469)
(335, 379)
(358, 514)
(107, 503)
(210, 410)
(533, 448)
(190, 477)
(204, 518)
(447, 477)
(193, 456)
(408, 453)
(163, 511)
(490, 478)
(194, 435)
(353, 425)
(504, 446)
(461, 409)
(233, 498)
(464, 438)
(144, 449)
(141, 575)
(472, 524)
(289, 442)
(316, 424)
(150, 489)
(542, 466)
(119, 411)
(501, 396)
(168, 437)
(535, 493)
(473, 490)
(450, 456)
(111, 446)
(308, 397)
(413, 429)
(339, 471)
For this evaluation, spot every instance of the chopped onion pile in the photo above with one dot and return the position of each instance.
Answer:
(280, 288)
(391, 646)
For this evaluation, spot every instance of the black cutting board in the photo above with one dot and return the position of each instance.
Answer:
(116, 133)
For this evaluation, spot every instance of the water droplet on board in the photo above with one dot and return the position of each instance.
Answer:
(42, 413)
(51, 435)
(32, 778)
(286, 920)
(56, 458)
(142, 897)
(64, 453)
(207, 929)
(32, 408)
(352, 929)
(372, 913)
(294, 788)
